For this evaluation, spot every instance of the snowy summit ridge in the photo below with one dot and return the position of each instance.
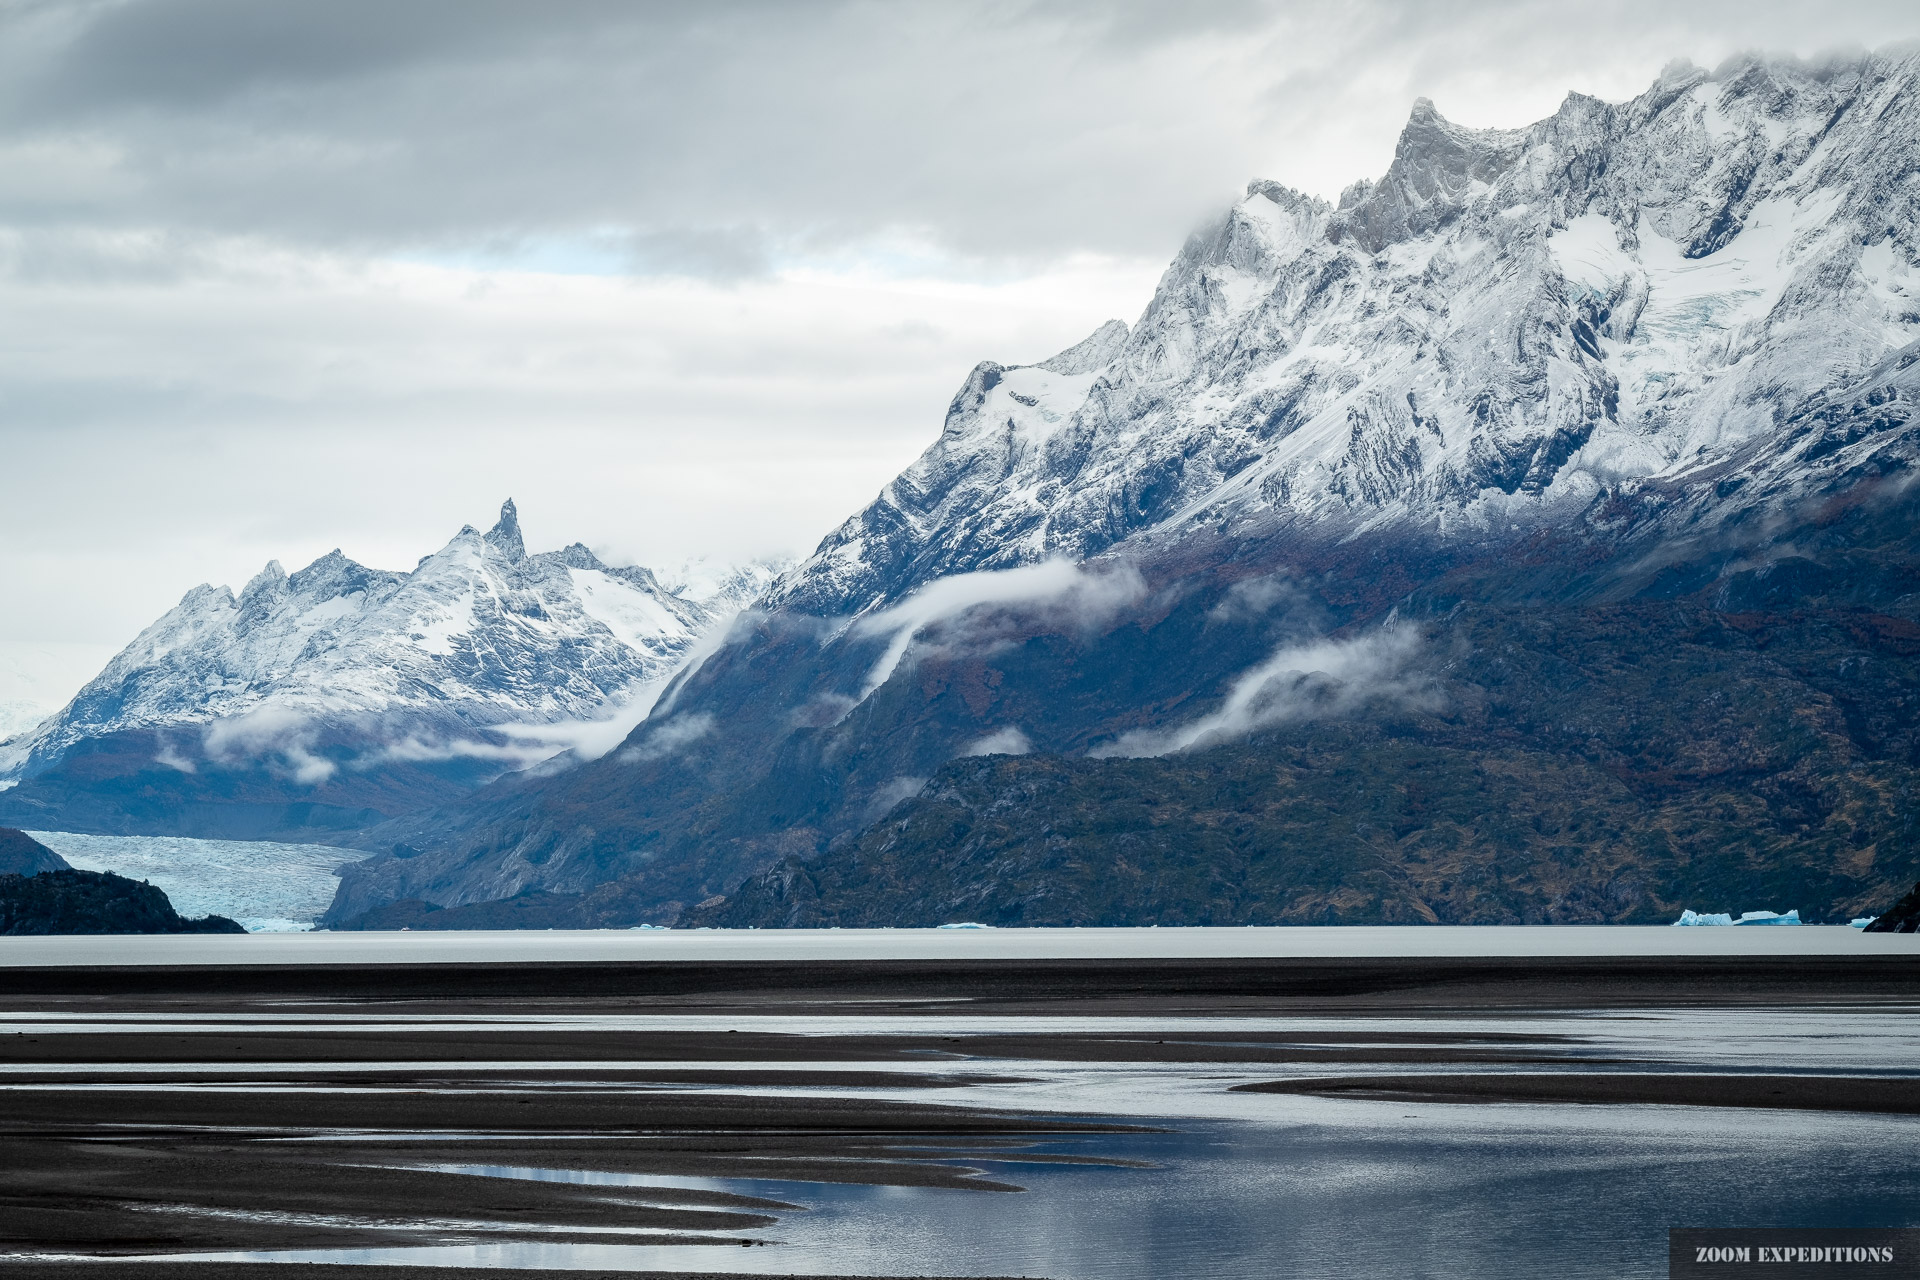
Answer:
(1509, 322)
(480, 634)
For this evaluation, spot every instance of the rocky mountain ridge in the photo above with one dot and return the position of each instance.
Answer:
(347, 687)
(1508, 327)
(1581, 451)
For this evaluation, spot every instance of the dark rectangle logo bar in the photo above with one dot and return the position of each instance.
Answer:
(1730, 1253)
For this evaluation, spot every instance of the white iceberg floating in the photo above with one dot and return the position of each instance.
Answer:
(1861, 922)
(274, 924)
(967, 924)
(1769, 918)
(1695, 917)
(1746, 917)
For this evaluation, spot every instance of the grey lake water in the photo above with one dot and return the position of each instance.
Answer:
(284, 888)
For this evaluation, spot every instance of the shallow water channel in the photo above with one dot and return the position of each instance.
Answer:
(1217, 1183)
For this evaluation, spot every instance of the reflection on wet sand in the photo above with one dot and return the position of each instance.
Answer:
(1235, 1126)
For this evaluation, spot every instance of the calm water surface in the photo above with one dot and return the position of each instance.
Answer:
(1317, 1189)
(1290, 1186)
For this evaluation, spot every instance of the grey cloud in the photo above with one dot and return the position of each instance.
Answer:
(712, 253)
(261, 249)
(994, 131)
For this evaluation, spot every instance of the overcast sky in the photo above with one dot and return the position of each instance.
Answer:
(682, 279)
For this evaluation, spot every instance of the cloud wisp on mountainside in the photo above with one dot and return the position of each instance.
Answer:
(1321, 679)
(978, 612)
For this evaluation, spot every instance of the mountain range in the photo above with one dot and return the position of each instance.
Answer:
(339, 696)
(1527, 536)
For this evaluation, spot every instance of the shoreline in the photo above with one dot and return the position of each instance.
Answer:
(1129, 945)
(1183, 986)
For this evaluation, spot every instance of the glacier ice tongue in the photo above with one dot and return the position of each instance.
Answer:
(269, 888)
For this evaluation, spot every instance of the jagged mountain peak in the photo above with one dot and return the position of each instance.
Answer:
(480, 633)
(1095, 351)
(1506, 326)
(1436, 164)
(268, 581)
(505, 534)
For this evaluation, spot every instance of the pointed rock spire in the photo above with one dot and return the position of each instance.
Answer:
(270, 579)
(506, 534)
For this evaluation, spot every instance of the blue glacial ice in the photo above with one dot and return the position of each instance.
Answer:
(1746, 917)
(269, 888)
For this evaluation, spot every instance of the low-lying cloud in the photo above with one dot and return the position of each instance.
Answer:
(972, 610)
(1252, 598)
(1007, 741)
(1322, 678)
(669, 737)
(280, 736)
(891, 793)
(288, 741)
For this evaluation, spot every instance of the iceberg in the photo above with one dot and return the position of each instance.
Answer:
(1769, 917)
(1695, 917)
(1861, 922)
(1746, 917)
(966, 924)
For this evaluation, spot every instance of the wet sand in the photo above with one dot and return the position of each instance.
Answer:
(202, 1270)
(1880, 1095)
(1189, 985)
(166, 1135)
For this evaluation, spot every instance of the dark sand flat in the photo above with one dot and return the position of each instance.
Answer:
(1882, 1094)
(27, 1270)
(1180, 987)
(166, 1136)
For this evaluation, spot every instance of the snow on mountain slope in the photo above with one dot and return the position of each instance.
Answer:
(724, 587)
(1548, 448)
(480, 634)
(1508, 324)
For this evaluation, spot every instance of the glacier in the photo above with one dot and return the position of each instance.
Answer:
(266, 886)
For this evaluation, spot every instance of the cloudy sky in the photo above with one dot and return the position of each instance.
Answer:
(683, 279)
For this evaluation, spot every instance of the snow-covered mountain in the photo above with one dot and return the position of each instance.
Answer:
(337, 670)
(1507, 326)
(1573, 459)
(724, 587)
